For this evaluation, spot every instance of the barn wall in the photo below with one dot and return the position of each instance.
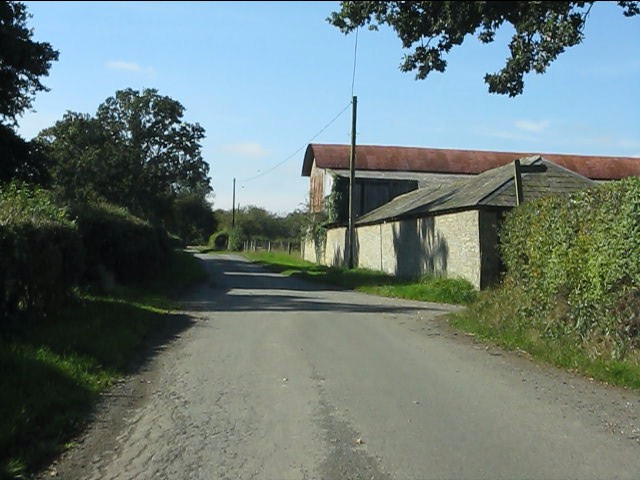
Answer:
(335, 247)
(316, 188)
(447, 245)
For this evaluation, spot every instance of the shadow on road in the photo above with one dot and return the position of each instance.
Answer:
(237, 285)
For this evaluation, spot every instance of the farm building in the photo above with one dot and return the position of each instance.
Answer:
(449, 229)
(384, 172)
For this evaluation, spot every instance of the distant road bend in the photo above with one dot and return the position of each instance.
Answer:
(282, 379)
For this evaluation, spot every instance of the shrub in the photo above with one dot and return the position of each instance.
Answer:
(236, 239)
(219, 240)
(42, 255)
(118, 243)
(578, 259)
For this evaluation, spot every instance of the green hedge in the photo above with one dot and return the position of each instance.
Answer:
(578, 259)
(228, 239)
(41, 252)
(118, 243)
(219, 240)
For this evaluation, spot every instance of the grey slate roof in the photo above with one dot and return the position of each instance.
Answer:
(420, 177)
(493, 188)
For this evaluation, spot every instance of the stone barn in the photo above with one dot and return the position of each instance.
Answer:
(385, 172)
(450, 230)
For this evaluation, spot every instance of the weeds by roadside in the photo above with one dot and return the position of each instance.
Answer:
(494, 317)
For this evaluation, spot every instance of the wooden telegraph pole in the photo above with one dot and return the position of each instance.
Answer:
(352, 176)
(233, 208)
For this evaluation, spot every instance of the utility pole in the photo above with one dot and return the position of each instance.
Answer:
(233, 211)
(352, 179)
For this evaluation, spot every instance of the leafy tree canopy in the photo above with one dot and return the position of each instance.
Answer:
(429, 30)
(150, 129)
(81, 168)
(136, 152)
(193, 219)
(21, 160)
(22, 62)
(257, 223)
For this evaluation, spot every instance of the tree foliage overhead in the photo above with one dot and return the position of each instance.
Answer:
(22, 62)
(429, 30)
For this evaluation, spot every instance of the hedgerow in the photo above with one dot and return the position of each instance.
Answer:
(120, 244)
(41, 252)
(578, 260)
(219, 240)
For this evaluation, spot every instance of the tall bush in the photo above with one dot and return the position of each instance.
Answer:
(118, 243)
(578, 259)
(41, 252)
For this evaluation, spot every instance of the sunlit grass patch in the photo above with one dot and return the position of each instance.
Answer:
(432, 289)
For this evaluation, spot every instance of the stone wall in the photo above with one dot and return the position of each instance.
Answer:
(459, 235)
(443, 245)
(335, 247)
(462, 244)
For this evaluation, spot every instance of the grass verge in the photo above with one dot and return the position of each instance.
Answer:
(54, 369)
(494, 318)
(427, 289)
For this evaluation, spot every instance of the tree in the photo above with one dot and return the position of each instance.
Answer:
(21, 160)
(137, 152)
(80, 166)
(295, 223)
(22, 62)
(253, 223)
(193, 219)
(163, 153)
(543, 30)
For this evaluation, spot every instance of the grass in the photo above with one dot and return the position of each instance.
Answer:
(493, 318)
(427, 289)
(54, 369)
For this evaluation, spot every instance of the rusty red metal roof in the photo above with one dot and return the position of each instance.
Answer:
(441, 160)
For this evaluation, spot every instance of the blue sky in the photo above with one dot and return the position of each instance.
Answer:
(264, 78)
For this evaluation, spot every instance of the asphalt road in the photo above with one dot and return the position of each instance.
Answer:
(281, 379)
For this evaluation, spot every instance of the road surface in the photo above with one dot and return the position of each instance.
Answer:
(281, 379)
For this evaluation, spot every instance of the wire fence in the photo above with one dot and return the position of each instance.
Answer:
(285, 246)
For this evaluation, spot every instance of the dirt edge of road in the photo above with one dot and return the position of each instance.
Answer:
(99, 438)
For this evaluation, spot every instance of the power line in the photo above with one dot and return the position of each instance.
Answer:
(353, 82)
(299, 149)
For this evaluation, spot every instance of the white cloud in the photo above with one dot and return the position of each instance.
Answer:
(129, 67)
(247, 149)
(531, 126)
(504, 134)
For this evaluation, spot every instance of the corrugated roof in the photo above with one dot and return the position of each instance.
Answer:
(436, 160)
(493, 188)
